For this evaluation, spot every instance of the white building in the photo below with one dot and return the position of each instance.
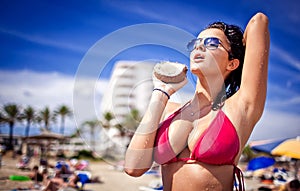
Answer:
(130, 87)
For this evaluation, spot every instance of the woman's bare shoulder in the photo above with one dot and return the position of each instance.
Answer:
(170, 108)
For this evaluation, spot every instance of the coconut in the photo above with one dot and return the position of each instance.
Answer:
(170, 72)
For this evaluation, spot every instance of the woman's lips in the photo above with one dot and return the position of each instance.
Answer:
(198, 58)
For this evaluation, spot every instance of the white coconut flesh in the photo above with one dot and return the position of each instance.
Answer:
(170, 72)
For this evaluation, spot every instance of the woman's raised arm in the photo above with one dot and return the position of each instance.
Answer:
(253, 88)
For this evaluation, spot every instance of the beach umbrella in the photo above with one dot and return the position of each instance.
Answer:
(285, 147)
(265, 146)
(281, 147)
(289, 148)
(260, 163)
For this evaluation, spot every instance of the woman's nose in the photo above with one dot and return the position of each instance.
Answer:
(200, 46)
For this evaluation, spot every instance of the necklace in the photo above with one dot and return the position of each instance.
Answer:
(193, 113)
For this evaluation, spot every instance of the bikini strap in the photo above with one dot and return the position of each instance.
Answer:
(178, 110)
(238, 179)
(182, 107)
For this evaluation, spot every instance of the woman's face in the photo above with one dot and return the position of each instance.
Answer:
(205, 62)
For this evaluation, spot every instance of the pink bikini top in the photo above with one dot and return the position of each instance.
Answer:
(218, 145)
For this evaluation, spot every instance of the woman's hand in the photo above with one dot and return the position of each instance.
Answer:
(169, 88)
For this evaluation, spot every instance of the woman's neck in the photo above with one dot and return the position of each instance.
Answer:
(206, 92)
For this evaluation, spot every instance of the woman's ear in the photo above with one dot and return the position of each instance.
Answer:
(233, 64)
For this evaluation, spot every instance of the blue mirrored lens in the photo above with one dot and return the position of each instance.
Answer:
(211, 43)
(192, 44)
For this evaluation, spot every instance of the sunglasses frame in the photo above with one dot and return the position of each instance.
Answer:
(196, 42)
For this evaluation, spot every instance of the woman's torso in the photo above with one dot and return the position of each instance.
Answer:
(197, 176)
(193, 174)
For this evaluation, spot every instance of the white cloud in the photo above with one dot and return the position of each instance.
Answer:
(276, 124)
(286, 56)
(48, 89)
(283, 97)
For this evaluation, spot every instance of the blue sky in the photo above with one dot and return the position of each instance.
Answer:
(50, 38)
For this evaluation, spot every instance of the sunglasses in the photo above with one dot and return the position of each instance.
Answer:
(211, 43)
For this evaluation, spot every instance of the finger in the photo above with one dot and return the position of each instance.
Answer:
(184, 82)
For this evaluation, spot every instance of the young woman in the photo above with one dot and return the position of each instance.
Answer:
(199, 144)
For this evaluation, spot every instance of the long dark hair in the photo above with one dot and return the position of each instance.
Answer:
(232, 83)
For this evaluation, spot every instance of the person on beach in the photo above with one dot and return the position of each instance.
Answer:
(35, 175)
(294, 185)
(199, 144)
(57, 183)
(76, 181)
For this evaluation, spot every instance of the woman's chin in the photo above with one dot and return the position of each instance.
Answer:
(195, 69)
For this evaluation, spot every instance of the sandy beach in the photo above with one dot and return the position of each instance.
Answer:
(112, 178)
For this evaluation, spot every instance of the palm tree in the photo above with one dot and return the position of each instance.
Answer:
(132, 120)
(76, 133)
(92, 125)
(11, 114)
(63, 111)
(46, 116)
(29, 115)
(121, 128)
(248, 153)
(108, 116)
